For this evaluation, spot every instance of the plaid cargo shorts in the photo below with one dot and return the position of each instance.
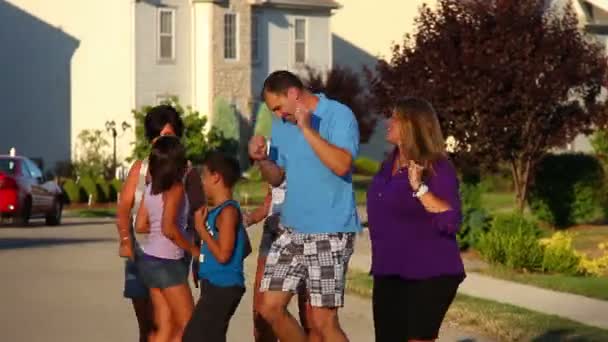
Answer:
(319, 260)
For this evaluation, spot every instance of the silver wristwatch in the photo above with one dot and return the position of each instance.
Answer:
(422, 189)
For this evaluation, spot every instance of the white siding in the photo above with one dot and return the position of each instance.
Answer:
(276, 42)
(159, 78)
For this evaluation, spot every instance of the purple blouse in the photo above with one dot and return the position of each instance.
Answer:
(408, 241)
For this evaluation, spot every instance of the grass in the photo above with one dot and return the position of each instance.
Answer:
(594, 287)
(94, 212)
(498, 201)
(250, 193)
(587, 238)
(502, 321)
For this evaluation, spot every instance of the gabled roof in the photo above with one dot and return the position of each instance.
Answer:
(310, 4)
(601, 4)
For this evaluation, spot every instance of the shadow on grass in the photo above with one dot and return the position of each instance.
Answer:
(40, 224)
(563, 335)
(92, 213)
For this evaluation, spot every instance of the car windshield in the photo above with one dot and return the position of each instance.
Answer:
(8, 165)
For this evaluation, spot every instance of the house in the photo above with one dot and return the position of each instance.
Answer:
(363, 31)
(71, 65)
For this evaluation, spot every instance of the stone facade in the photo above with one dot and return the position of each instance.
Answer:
(232, 78)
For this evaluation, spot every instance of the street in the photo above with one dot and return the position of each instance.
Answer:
(65, 284)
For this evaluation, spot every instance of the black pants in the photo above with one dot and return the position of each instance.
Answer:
(212, 313)
(411, 309)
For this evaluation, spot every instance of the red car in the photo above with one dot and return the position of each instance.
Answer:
(25, 194)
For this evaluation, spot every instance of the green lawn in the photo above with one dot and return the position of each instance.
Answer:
(594, 287)
(498, 201)
(251, 193)
(501, 321)
(93, 212)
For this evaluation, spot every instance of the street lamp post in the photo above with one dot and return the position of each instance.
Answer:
(111, 128)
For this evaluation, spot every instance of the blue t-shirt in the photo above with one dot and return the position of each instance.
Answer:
(230, 273)
(318, 200)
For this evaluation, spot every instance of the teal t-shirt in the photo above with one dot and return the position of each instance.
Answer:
(230, 273)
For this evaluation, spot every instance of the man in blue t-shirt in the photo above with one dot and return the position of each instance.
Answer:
(313, 146)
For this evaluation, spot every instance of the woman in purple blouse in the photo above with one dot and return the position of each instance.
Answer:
(414, 213)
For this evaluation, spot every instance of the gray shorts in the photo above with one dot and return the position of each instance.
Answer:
(269, 234)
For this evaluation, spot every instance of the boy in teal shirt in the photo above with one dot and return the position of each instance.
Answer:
(225, 245)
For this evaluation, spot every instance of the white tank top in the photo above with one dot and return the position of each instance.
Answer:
(278, 198)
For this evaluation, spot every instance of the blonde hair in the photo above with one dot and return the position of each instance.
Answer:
(420, 136)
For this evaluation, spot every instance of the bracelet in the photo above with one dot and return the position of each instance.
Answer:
(124, 238)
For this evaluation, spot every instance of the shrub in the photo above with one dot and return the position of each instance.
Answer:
(567, 189)
(73, 192)
(91, 189)
(104, 189)
(475, 219)
(595, 267)
(115, 188)
(475, 222)
(366, 166)
(559, 256)
(512, 241)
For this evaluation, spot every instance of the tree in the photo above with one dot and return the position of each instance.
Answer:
(225, 119)
(509, 79)
(93, 158)
(263, 122)
(344, 85)
(599, 142)
(197, 142)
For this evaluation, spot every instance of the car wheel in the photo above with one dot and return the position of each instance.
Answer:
(22, 218)
(53, 218)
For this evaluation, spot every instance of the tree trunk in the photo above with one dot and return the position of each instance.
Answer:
(516, 182)
(521, 179)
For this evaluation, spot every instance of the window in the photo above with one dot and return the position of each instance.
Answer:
(300, 41)
(255, 31)
(7, 166)
(34, 170)
(166, 34)
(24, 171)
(163, 99)
(230, 36)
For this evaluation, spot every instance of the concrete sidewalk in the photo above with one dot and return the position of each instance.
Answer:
(588, 311)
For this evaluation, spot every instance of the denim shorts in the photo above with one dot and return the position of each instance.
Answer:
(160, 273)
(134, 287)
